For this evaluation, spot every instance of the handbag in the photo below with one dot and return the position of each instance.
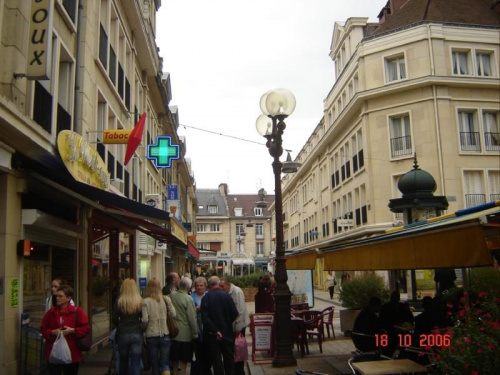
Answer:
(83, 343)
(60, 354)
(173, 328)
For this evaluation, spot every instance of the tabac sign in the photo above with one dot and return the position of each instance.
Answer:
(82, 160)
(40, 40)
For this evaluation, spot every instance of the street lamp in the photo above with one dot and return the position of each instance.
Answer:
(276, 105)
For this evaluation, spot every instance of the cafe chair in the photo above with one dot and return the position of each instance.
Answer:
(313, 320)
(328, 320)
(361, 354)
(299, 335)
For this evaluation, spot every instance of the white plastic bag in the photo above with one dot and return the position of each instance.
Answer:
(60, 353)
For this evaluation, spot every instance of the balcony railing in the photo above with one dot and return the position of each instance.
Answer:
(494, 197)
(469, 141)
(492, 141)
(401, 146)
(472, 200)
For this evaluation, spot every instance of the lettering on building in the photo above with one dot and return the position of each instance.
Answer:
(40, 40)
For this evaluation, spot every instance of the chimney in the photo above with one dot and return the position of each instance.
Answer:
(382, 16)
(223, 189)
(391, 8)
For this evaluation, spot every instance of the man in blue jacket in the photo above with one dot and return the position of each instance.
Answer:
(218, 313)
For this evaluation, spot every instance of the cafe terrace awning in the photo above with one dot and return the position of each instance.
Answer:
(301, 260)
(462, 239)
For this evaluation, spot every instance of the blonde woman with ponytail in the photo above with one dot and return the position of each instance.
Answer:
(127, 317)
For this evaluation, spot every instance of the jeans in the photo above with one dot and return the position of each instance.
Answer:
(159, 345)
(130, 346)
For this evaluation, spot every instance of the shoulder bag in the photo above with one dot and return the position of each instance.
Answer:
(173, 328)
(83, 343)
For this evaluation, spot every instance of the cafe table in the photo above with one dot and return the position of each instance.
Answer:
(391, 366)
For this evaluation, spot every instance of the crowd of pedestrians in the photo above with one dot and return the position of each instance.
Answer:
(210, 314)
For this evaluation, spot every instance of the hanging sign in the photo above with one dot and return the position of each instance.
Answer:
(116, 136)
(40, 40)
(163, 152)
(82, 160)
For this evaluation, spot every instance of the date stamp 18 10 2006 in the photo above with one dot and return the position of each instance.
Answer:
(425, 340)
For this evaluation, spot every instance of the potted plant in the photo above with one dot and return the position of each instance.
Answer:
(248, 283)
(356, 294)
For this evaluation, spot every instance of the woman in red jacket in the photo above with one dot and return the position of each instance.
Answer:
(63, 318)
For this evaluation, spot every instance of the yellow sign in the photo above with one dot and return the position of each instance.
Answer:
(116, 136)
(40, 40)
(178, 231)
(82, 160)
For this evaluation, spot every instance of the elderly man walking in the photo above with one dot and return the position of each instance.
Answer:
(218, 313)
(243, 319)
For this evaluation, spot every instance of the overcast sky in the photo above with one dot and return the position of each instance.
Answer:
(222, 55)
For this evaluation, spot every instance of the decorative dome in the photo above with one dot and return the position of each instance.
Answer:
(417, 182)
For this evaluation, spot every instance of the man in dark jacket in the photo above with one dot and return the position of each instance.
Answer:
(218, 313)
(172, 283)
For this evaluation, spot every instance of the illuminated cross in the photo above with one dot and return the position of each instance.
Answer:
(163, 152)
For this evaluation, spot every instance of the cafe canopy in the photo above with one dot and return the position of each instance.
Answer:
(466, 238)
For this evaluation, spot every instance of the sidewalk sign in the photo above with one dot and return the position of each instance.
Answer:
(262, 330)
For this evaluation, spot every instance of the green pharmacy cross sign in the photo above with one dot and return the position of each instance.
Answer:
(163, 152)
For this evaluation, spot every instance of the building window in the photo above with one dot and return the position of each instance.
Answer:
(395, 68)
(491, 124)
(400, 133)
(260, 248)
(460, 62)
(213, 209)
(201, 227)
(203, 245)
(214, 227)
(483, 62)
(494, 185)
(240, 230)
(474, 188)
(259, 231)
(257, 211)
(468, 131)
(238, 212)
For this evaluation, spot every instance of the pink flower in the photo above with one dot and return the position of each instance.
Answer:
(481, 294)
(491, 346)
(495, 324)
(475, 372)
(467, 339)
(479, 351)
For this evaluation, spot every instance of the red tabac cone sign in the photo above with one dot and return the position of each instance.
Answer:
(135, 138)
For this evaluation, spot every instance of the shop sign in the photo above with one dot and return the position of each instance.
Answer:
(163, 152)
(345, 222)
(40, 40)
(154, 200)
(221, 255)
(178, 231)
(116, 136)
(82, 160)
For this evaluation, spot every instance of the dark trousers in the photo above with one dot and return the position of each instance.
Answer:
(330, 289)
(69, 369)
(202, 364)
(221, 355)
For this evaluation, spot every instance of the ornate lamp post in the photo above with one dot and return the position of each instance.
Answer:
(276, 105)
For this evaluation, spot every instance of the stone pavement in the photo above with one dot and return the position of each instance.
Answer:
(332, 361)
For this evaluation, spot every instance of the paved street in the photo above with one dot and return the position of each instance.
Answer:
(333, 360)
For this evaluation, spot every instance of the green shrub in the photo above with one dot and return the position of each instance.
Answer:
(245, 281)
(356, 293)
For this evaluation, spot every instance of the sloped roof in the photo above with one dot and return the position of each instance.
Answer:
(247, 202)
(478, 12)
(210, 197)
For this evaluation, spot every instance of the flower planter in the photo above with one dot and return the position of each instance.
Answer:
(250, 293)
(347, 318)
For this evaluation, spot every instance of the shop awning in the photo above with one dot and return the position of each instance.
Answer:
(51, 171)
(301, 261)
(242, 261)
(193, 251)
(455, 241)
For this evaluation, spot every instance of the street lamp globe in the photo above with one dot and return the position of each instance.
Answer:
(277, 102)
(264, 125)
